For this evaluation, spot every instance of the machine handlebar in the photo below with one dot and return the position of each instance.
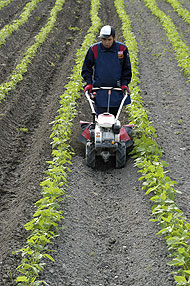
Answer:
(110, 88)
(91, 102)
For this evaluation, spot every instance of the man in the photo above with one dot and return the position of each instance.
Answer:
(107, 64)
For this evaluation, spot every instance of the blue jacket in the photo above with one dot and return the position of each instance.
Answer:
(108, 67)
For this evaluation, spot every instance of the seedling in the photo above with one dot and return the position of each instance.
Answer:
(23, 129)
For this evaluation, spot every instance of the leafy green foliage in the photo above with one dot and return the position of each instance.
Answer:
(23, 129)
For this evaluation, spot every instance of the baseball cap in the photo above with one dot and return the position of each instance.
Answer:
(106, 32)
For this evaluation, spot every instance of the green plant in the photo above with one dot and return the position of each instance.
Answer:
(23, 129)
(180, 121)
(73, 28)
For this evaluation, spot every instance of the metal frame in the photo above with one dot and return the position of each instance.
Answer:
(107, 88)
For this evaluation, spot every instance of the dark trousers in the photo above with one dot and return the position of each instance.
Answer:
(100, 110)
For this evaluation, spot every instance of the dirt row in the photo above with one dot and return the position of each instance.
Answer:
(106, 238)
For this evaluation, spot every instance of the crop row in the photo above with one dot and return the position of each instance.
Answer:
(7, 30)
(5, 3)
(44, 225)
(173, 223)
(184, 13)
(21, 68)
(181, 49)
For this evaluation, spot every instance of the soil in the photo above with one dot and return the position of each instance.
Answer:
(106, 237)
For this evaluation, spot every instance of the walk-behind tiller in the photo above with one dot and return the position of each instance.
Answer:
(104, 136)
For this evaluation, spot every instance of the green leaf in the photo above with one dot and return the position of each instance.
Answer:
(173, 240)
(180, 279)
(49, 256)
(162, 231)
(177, 262)
(181, 250)
(152, 189)
(22, 279)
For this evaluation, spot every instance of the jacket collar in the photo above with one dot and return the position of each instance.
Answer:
(112, 49)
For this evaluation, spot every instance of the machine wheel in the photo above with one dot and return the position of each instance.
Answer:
(90, 154)
(120, 155)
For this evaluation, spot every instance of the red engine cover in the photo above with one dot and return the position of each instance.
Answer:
(124, 135)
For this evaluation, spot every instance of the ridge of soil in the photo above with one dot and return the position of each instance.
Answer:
(106, 238)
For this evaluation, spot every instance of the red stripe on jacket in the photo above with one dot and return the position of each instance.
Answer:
(122, 47)
(95, 51)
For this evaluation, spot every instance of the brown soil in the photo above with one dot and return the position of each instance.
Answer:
(107, 238)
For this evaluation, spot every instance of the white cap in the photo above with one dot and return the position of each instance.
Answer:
(105, 32)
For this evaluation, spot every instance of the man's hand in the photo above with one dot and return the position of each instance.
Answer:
(125, 89)
(93, 96)
(88, 88)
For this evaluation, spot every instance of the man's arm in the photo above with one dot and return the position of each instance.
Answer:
(126, 69)
(87, 68)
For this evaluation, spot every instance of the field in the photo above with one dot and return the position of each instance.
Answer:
(106, 237)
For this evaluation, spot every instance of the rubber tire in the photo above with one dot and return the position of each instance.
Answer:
(120, 157)
(90, 154)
